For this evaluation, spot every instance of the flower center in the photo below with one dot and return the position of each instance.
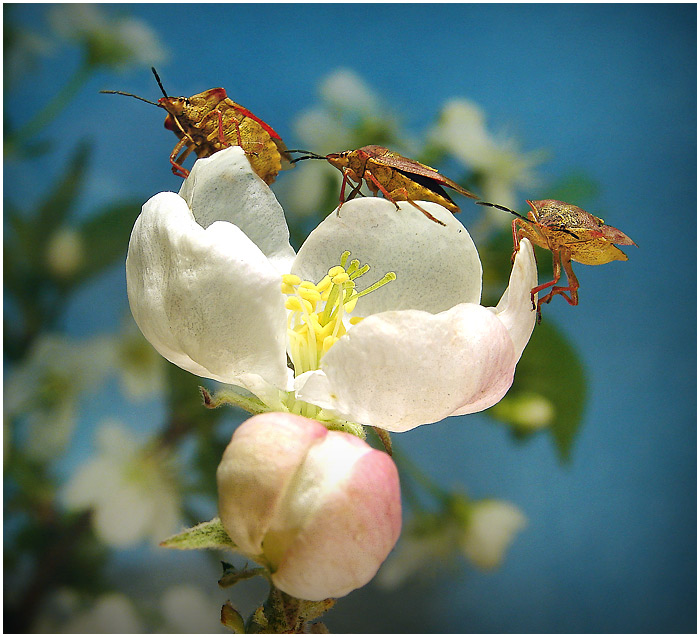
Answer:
(317, 310)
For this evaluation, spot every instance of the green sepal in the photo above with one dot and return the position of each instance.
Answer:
(207, 535)
(232, 619)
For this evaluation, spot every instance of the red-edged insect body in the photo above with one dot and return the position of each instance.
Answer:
(571, 234)
(210, 121)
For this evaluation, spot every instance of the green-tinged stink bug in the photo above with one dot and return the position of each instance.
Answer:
(397, 177)
(210, 121)
(571, 234)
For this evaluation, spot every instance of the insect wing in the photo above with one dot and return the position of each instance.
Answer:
(596, 252)
(427, 182)
(411, 168)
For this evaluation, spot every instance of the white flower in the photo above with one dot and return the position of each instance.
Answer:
(491, 528)
(204, 277)
(44, 391)
(114, 41)
(129, 487)
(462, 131)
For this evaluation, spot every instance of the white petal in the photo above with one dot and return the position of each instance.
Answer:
(398, 370)
(436, 266)
(207, 300)
(515, 307)
(224, 187)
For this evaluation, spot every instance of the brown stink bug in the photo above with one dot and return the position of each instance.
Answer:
(210, 121)
(571, 234)
(396, 176)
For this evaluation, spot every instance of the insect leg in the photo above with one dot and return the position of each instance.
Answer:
(572, 281)
(375, 186)
(354, 191)
(184, 154)
(556, 265)
(220, 128)
(346, 178)
(176, 166)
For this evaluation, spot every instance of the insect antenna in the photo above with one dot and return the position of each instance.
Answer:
(143, 99)
(495, 205)
(160, 84)
(309, 155)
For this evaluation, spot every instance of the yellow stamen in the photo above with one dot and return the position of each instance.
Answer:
(317, 312)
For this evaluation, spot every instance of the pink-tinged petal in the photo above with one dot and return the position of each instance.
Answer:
(399, 370)
(352, 514)
(321, 509)
(257, 467)
(515, 307)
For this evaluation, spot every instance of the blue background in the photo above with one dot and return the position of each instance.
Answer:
(610, 90)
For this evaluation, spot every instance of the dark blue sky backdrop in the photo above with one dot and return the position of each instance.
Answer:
(610, 90)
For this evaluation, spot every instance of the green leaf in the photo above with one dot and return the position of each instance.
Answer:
(207, 535)
(550, 368)
(106, 236)
(56, 207)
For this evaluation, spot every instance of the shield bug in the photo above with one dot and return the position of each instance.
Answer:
(397, 177)
(210, 121)
(571, 234)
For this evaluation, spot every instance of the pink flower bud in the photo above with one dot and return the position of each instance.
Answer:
(320, 508)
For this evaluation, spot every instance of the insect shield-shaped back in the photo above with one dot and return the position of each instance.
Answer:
(571, 234)
(585, 236)
(209, 122)
(395, 176)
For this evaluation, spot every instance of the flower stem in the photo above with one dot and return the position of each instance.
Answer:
(413, 471)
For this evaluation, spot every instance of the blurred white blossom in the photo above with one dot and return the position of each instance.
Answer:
(322, 131)
(345, 90)
(491, 528)
(117, 41)
(65, 613)
(65, 253)
(22, 50)
(141, 369)
(45, 388)
(129, 487)
(480, 530)
(187, 609)
(526, 411)
(350, 116)
(498, 160)
(419, 555)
